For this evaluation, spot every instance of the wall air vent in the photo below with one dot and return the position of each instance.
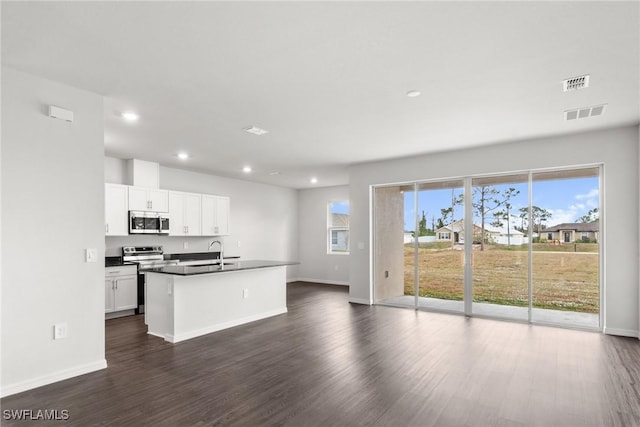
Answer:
(575, 83)
(584, 112)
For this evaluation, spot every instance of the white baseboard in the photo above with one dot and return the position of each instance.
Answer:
(621, 332)
(52, 378)
(117, 314)
(220, 326)
(360, 301)
(322, 281)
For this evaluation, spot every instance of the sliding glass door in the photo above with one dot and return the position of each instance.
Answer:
(440, 247)
(566, 247)
(500, 247)
(394, 276)
(523, 246)
(419, 245)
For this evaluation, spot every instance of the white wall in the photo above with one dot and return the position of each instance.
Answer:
(263, 219)
(52, 210)
(616, 148)
(316, 265)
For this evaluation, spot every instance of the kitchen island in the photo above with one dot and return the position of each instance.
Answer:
(184, 302)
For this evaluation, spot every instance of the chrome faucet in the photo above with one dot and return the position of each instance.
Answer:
(221, 250)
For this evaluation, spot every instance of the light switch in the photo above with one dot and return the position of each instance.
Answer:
(91, 255)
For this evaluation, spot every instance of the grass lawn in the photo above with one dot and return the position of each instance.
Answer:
(562, 280)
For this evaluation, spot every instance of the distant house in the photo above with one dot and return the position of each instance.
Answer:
(455, 232)
(572, 232)
(504, 236)
(339, 232)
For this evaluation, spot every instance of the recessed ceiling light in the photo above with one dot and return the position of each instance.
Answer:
(314, 180)
(246, 169)
(183, 156)
(130, 116)
(413, 93)
(256, 130)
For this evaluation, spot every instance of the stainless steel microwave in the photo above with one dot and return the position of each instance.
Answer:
(148, 222)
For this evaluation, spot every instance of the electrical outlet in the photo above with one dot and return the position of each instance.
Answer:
(238, 243)
(245, 293)
(59, 331)
(185, 245)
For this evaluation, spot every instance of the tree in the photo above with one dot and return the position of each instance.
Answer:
(485, 201)
(538, 217)
(505, 214)
(446, 215)
(592, 216)
(422, 225)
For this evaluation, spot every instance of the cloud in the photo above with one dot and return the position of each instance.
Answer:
(593, 194)
(559, 216)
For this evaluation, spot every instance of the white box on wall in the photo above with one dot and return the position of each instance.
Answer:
(141, 173)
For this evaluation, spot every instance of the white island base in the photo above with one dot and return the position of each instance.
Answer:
(182, 307)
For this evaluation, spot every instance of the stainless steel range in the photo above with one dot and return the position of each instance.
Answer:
(147, 258)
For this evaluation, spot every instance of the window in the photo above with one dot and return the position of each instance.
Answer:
(445, 236)
(338, 227)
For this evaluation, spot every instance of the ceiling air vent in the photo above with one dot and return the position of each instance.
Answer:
(581, 113)
(575, 83)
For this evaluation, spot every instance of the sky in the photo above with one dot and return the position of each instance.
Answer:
(566, 199)
(340, 207)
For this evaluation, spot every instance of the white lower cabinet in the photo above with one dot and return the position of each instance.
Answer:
(120, 288)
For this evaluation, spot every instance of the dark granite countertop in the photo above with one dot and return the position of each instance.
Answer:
(192, 270)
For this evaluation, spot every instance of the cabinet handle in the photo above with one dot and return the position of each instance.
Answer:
(107, 228)
(187, 227)
(151, 204)
(116, 282)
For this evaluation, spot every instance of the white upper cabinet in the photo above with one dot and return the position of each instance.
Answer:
(159, 200)
(148, 199)
(185, 213)
(215, 215)
(115, 210)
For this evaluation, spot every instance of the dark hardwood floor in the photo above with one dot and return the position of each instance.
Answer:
(328, 362)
